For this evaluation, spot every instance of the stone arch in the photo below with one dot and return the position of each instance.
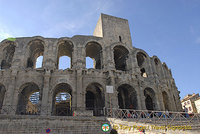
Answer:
(165, 66)
(62, 100)
(95, 98)
(2, 95)
(166, 70)
(65, 48)
(29, 99)
(120, 57)
(142, 63)
(150, 99)
(94, 51)
(156, 61)
(166, 103)
(141, 58)
(158, 66)
(127, 97)
(36, 49)
(8, 54)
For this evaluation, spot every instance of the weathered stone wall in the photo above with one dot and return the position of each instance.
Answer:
(159, 77)
(58, 125)
(81, 125)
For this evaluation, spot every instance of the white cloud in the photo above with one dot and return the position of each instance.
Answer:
(7, 32)
(4, 33)
(73, 20)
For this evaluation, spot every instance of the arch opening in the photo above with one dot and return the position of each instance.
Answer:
(36, 50)
(29, 98)
(141, 57)
(127, 97)
(64, 62)
(8, 54)
(65, 51)
(95, 99)
(94, 52)
(39, 62)
(156, 61)
(120, 57)
(2, 94)
(62, 100)
(90, 63)
(150, 100)
(143, 73)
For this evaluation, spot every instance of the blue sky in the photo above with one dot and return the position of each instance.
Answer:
(169, 29)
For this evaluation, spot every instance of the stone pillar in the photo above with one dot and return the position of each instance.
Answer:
(111, 99)
(141, 96)
(74, 58)
(172, 102)
(160, 101)
(110, 59)
(142, 99)
(45, 94)
(79, 90)
(139, 102)
(9, 99)
(114, 96)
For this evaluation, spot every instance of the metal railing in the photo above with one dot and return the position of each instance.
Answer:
(156, 117)
(37, 110)
(143, 116)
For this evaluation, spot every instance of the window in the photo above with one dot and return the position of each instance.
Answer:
(141, 58)
(156, 61)
(90, 63)
(120, 39)
(64, 56)
(93, 52)
(36, 52)
(39, 62)
(120, 57)
(64, 62)
(8, 53)
(143, 73)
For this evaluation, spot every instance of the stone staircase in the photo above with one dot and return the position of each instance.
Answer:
(34, 124)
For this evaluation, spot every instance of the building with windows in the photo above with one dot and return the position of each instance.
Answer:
(188, 103)
(197, 105)
(139, 81)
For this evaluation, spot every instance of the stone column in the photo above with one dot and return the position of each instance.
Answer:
(160, 101)
(79, 90)
(114, 96)
(74, 58)
(172, 103)
(9, 99)
(141, 97)
(45, 94)
(110, 63)
(139, 102)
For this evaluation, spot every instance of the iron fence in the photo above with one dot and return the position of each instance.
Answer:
(156, 117)
(38, 110)
(143, 116)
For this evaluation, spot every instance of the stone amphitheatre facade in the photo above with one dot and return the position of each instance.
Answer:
(139, 81)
